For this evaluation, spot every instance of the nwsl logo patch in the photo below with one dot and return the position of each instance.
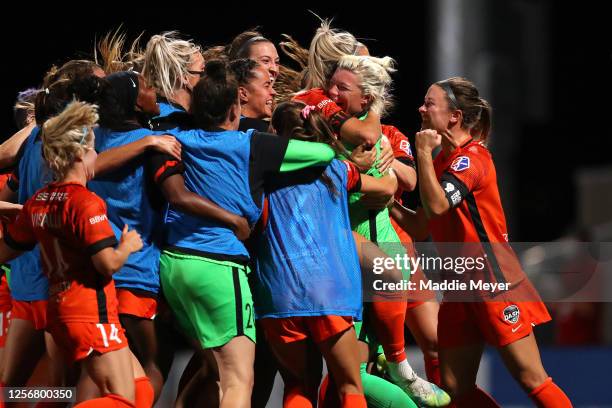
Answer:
(460, 163)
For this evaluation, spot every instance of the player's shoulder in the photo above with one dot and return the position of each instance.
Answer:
(476, 151)
(80, 197)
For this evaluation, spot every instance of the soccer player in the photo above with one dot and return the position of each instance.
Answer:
(77, 246)
(203, 268)
(461, 204)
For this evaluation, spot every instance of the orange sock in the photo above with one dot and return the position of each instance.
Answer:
(322, 391)
(477, 398)
(389, 326)
(432, 369)
(108, 401)
(295, 397)
(354, 401)
(549, 395)
(145, 394)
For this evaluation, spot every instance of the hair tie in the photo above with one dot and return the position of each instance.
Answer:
(85, 133)
(306, 111)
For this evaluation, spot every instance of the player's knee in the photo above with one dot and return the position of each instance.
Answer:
(531, 378)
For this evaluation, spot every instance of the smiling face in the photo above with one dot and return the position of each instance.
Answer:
(264, 52)
(344, 89)
(435, 112)
(257, 96)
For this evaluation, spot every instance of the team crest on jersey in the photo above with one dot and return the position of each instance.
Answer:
(461, 163)
(511, 314)
(405, 146)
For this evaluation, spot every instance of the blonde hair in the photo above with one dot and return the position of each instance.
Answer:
(374, 79)
(326, 48)
(166, 62)
(67, 136)
(113, 58)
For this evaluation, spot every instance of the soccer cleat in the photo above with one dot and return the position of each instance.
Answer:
(422, 392)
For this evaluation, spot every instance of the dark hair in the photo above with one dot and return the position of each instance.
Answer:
(243, 70)
(289, 121)
(240, 47)
(52, 100)
(24, 107)
(70, 70)
(214, 94)
(463, 95)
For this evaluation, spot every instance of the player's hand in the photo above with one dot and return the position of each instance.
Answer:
(9, 211)
(167, 144)
(376, 201)
(241, 227)
(386, 155)
(427, 140)
(363, 159)
(130, 240)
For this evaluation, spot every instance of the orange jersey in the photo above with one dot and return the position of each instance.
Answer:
(469, 180)
(399, 144)
(70, 224)
(402, 152)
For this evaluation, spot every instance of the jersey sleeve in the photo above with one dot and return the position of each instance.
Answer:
(267, 152)
(463, 176)
(160, 166)
(91, 225)
(19, 235)
(353, 180)
(400, 145)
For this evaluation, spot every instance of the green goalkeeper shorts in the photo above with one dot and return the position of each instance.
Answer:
(210, 299)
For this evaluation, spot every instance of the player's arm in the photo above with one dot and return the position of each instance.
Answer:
(349, 128)
(167, 173)
(9, 150)
(299, 154)
(18, 237)
(414, 223)
(432, 194)
(109, 260)
(7, 252)
(175, 192)
(382, 187)
(406, 175)
(117, 157)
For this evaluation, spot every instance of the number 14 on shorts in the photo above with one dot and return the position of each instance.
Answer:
(112, 336)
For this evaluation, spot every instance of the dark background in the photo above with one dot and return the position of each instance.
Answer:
(573, 135)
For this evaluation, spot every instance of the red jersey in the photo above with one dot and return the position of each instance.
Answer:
(402, 152)
(70, 224)
(399, 144)
(469, 180)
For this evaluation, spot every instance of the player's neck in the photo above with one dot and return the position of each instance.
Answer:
(75, 175)
(460, 137)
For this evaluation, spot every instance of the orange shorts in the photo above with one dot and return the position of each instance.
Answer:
(5, 320)
(296, 328)
(79, 340)
(34, 311)
(496, 323)
(5, 295)
(134, 304)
